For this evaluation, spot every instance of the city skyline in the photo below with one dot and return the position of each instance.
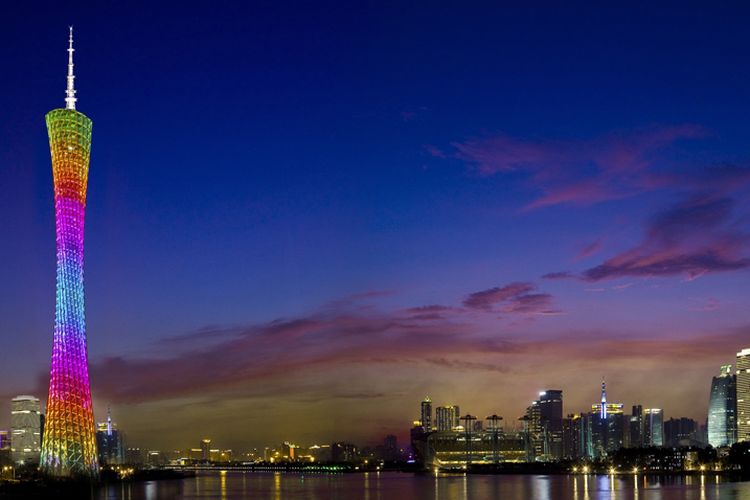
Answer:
(291, 228)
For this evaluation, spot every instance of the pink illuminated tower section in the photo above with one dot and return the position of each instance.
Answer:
(69, 443)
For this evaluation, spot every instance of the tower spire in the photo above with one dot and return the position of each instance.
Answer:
(70, 93)
(603, 410)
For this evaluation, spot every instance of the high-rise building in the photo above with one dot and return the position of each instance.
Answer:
(205, 449)
(533, 432)
(543, 425)
(4, 440)
(635, 429)
(426, 414)
(551, 414)
(722, 409)
(653, 427)
(743, 395)
(69, 444)
(681, 432)
(607, 426)
(446, 418)
(5, 453)
(572, 437)
(344, 452)
(390, 450)
(26, 424)
(109, 442)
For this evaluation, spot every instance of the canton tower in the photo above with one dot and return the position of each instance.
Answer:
(69, 443)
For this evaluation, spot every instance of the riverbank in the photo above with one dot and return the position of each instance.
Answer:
(50, 488)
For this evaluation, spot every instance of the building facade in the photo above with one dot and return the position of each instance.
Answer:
(743, 395)
(446, 418)
(26, 428)
(426, 414)
(635, 427)
(109, 443)
(653, 425)
(682, 432)
(722, 409)
(551, 414)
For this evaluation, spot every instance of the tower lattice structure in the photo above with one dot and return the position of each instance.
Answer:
(69, 441)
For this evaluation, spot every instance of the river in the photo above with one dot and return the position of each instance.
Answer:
(403, 486)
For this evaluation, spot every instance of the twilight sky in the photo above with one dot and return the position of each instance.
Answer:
(303, 217)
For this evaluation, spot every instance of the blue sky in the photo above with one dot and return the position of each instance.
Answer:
(270, 161)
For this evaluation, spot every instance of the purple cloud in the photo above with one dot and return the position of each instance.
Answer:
(246, 359)
(515, 297)
(560, 275)
(694, 237)
(486, 299)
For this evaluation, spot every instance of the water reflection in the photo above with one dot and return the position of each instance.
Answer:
(223, 475)
(277, 485)
(392, 486)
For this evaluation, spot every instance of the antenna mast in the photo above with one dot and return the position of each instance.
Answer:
(70, 93)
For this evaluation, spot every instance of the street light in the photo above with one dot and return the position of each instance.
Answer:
(493, 420)
(468, 419)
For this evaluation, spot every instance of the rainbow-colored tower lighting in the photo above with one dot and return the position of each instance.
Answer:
(69, 442)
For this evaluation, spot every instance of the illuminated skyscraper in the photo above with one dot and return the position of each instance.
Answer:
(653, 427)
(607, 426)
(722, 409)
(446, 417)
(69, 444)
(426, 414)
(205, 449)
(743, 395)
(109, 442)
(551, 414)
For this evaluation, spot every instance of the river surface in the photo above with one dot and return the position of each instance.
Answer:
(403, 486)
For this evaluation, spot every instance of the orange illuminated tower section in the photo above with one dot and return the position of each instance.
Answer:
(69, 441)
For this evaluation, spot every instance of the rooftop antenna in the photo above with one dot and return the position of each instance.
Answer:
(70, 93)
(604, 400)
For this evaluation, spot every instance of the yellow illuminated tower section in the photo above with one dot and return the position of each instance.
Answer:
(69, 442)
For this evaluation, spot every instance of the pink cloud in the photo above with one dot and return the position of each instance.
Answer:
(589, 250)
(704, 305)
(515, 297)
(695, 237)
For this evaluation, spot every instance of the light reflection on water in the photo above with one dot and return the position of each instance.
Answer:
(395, 486)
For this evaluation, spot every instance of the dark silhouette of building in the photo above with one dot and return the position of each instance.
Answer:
(635, 437)
(389, 450)
(344, 452)
(680, 432)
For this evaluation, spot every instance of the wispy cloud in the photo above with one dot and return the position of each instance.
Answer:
(589, 250)
(710, 304)
(517, 297)
(257, 354)
(584, 172)
(698, 235)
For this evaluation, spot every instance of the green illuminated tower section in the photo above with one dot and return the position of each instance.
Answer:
(69, 441)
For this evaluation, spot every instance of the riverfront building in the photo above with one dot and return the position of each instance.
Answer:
(722, 409)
